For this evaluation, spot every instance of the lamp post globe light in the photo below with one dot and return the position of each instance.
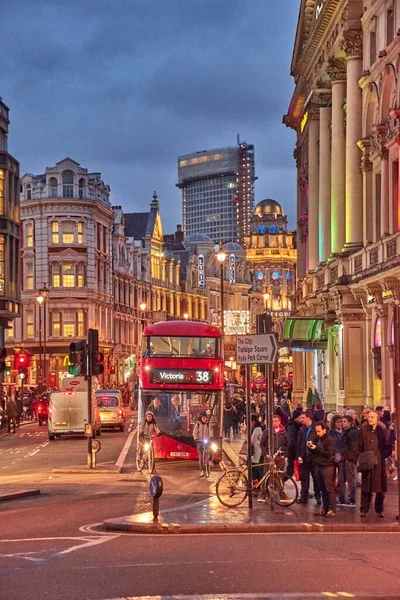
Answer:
(221, 256)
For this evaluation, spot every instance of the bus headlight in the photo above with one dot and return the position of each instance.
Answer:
(214, 447)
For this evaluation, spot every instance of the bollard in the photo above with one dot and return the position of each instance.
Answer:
(156, 489)
(96, 447)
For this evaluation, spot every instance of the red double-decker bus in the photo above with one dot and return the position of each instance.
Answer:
(181, 374)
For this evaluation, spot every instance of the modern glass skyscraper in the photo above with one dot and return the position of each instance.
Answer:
(218, 192)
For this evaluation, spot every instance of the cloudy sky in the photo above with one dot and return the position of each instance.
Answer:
(126, 86)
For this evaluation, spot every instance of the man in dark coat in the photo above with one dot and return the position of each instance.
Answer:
(324, 451)
(374, 436)
(348, 464)
(292, 432)
(306, 459)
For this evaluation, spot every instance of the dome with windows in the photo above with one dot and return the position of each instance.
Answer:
(233, 247)
(268, 207)
(198, 237)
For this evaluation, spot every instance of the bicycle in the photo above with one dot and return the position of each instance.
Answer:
(145, 456)
(207, 449)
(232, 488)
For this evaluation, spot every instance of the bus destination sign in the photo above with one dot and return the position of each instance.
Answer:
(182, 376)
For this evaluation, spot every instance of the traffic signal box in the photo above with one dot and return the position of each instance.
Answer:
(78, 358)
(81, 351)
(21, 363)
(3, 356)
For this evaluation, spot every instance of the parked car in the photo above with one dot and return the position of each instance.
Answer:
(112, 410)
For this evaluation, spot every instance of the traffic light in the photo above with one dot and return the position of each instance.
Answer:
(97, 357)
(112, 370)
(3, 356)
(98, 363)
(77, 358)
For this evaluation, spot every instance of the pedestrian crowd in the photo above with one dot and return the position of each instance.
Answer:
(338, 453)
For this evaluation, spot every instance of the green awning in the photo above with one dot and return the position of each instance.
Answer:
(304, 333)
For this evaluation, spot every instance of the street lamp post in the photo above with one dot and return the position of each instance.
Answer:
(42, 300)
(142, 307)
(221, 256)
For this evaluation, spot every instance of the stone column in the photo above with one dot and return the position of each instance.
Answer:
(384, 191)
(354, 198)
(366, 168)
(313, 187)
(324, 225)
(337, 73)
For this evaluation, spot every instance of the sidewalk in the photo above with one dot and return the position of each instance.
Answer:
(209, 516)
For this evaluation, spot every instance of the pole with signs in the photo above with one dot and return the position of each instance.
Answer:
(248, 429)
(253, 349)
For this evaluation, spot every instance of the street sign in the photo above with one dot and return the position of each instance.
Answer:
(251, 349)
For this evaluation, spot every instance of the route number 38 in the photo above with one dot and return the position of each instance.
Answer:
(202, 376)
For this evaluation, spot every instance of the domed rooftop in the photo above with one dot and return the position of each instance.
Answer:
(268, 207)
(232, 247)
(198, 237)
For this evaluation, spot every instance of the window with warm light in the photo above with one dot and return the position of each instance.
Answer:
(29, 234)
(80, 233)
(68, 323)
(29, 283)
(55, 232)
(29, 323)
(56, 320)
(68, 236)
(80, 322)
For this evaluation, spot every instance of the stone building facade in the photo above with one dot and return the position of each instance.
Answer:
(345, 111)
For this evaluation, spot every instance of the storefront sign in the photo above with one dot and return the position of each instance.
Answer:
(201, 277)
(236, 322)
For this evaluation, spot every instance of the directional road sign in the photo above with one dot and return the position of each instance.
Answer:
(251, 349)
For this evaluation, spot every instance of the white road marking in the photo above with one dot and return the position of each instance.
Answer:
(125, 450)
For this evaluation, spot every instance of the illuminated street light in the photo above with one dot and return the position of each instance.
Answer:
(185, 316)
(221, 256)
(143, 306)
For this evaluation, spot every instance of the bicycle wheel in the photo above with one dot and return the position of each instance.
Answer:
(206, 462)
(150, 460)
(139, 460)
(284, 489)
(232, 488)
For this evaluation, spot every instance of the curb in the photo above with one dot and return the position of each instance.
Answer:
(175, 528)
(19, 494)
(86, 471)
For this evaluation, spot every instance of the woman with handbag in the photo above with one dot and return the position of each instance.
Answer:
(375, 447)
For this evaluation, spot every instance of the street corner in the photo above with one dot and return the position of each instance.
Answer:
(17, 494)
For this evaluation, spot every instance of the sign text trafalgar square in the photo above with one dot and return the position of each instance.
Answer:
(259, 349)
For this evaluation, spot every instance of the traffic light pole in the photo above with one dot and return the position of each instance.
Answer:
(89, 370)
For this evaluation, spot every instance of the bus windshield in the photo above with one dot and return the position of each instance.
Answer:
(180, 347)
(177, 412)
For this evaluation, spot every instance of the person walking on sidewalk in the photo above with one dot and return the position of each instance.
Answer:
(324, 451)
(12, 414)
(279, 442)
(306, 459)
(256, 433)
(348, 465)
(229, 412)
(376, 438)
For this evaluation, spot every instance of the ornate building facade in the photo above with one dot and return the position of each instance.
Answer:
(345, 111)
(271, 254)
(9, 230)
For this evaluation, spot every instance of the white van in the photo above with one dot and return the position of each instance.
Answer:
(68, 409)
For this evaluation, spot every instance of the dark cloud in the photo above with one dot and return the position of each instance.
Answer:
(126, 86)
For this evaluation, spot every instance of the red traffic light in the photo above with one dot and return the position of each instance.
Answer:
(22, 360)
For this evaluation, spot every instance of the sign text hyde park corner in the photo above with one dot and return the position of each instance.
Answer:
(251, 349)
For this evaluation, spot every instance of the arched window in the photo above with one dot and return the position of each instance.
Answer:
(53, 187)
(29, 192)
(81, 188)
(68, 184)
